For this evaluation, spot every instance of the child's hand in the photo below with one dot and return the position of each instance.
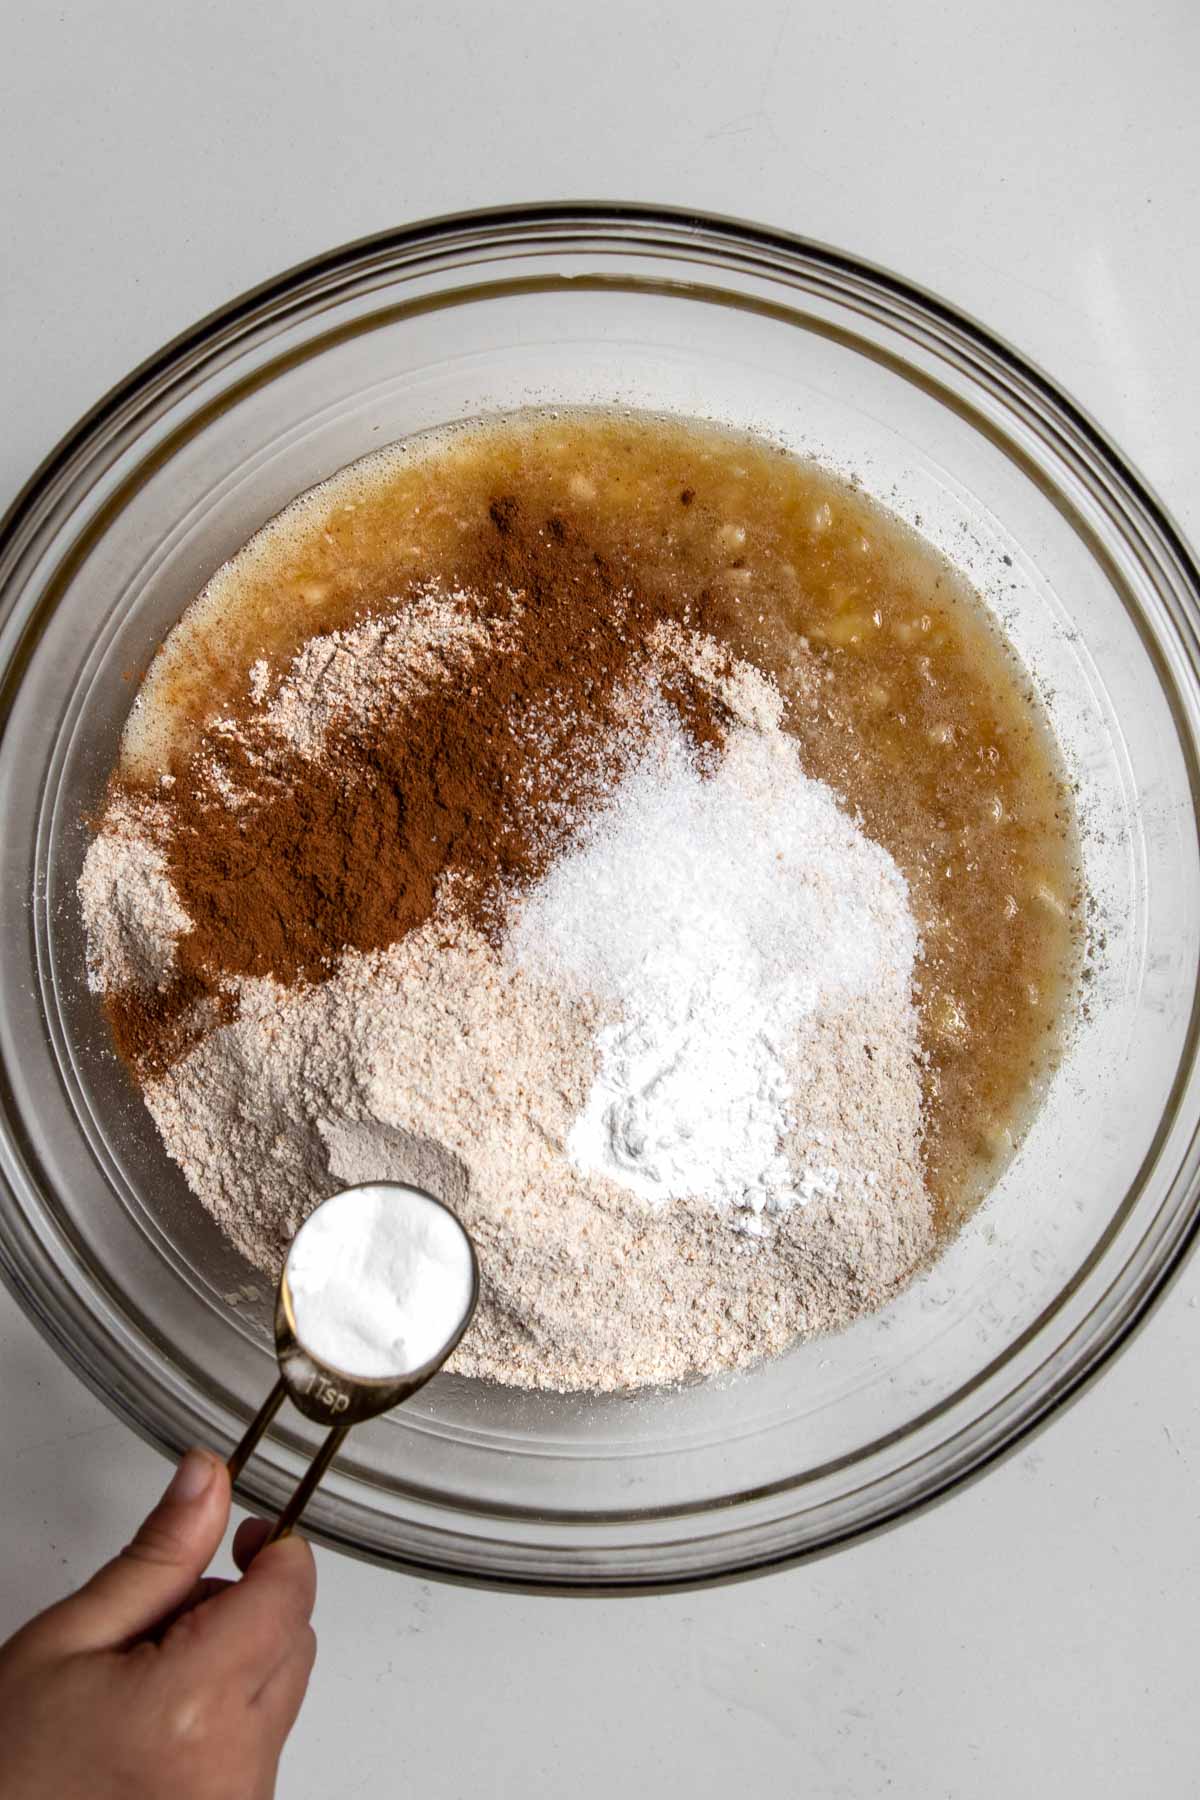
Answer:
(151, 1684)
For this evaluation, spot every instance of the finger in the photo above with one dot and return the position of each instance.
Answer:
(252, 1628)
(154, 1575)
(282, 1578)
(248, 1540)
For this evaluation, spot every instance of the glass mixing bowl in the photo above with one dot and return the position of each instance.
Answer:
(704, 317)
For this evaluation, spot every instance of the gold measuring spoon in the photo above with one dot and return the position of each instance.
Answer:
(328, 1395)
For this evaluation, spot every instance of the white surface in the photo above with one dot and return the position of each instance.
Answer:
(1036, 164)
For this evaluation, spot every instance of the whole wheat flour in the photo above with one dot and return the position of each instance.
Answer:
(435, 1062)
(131, 913)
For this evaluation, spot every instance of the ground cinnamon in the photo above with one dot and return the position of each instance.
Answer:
(479, 777)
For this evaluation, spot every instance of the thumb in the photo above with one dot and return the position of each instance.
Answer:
(156, 1572)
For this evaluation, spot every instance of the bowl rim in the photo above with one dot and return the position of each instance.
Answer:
(441, 228)
(39, 496)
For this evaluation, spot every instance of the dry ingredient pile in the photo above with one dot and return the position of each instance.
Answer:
(520, 893)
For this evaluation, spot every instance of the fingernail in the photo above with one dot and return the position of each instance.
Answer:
(192, 1477)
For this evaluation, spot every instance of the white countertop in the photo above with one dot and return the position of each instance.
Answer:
(1036, 164)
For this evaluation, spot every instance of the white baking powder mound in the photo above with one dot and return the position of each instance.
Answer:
(711, 912)
(381, 1280)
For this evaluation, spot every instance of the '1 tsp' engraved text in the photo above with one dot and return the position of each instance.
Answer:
(328, 1395)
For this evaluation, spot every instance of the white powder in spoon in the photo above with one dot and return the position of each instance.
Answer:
(381, 1279)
